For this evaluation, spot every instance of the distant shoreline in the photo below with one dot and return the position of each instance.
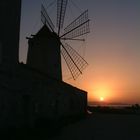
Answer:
(111, 106)
(115, 109)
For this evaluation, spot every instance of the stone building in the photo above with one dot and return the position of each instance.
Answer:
(35, 90)
(28, 95)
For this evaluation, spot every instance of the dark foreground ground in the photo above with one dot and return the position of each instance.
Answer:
(103, 127)
(100, 125)
(105, 124)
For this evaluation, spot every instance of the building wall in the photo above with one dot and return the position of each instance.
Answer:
(0, 52)
(10, 11)
(30, 96)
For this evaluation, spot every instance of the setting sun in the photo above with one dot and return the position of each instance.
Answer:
(101, 99)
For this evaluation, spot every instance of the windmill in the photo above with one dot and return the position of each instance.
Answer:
(77, 28)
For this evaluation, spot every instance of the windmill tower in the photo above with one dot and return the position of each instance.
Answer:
(46, 46)
(44, 53)
(9, 31)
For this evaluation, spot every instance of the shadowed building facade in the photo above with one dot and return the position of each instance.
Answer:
(10, 12)
(44, 53)
(32, 91)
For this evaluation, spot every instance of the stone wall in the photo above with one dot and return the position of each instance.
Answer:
(28, 96)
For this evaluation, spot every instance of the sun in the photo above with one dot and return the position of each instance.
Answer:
(101, 99)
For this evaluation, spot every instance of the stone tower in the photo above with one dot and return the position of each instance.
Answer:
(44, 53)
(10, 12)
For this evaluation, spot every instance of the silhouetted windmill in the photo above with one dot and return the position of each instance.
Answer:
(77, 28)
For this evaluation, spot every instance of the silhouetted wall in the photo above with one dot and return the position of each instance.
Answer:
(44, 53)
(32, 96)
(10, 11)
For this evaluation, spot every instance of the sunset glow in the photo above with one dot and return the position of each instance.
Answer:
(101, 99)
(111, 49)
(102, 92)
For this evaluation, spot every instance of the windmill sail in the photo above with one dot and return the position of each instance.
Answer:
(74, 61)
(46, 19)
(61, 10)
(78, 27)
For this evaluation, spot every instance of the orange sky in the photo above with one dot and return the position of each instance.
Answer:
(113, 52)
(112, 47)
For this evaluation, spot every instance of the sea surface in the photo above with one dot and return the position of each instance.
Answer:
(113, 105)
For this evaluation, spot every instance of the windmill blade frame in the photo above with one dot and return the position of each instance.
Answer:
(74, 61)
(46, 19)
(78, 27)
(61, 10)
